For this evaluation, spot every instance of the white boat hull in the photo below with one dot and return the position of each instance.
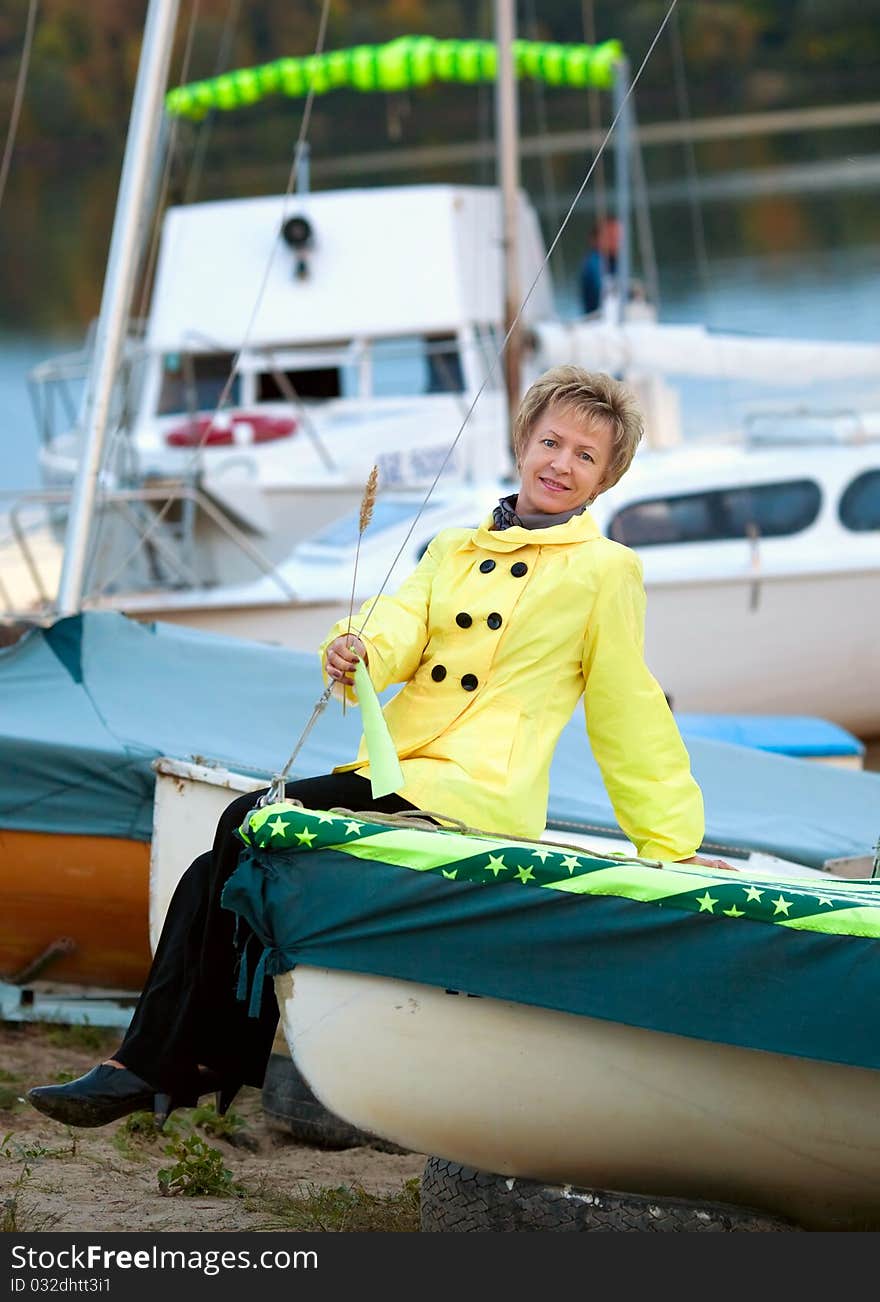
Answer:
(537, 1094)
(808, 645)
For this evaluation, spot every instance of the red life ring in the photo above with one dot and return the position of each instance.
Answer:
(242, 428)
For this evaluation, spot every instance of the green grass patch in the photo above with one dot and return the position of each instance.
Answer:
(13, 1150)
(198, 1170)
(343, 1209)
(207, 1119)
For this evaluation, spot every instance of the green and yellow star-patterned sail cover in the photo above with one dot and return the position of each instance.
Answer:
(787, 963)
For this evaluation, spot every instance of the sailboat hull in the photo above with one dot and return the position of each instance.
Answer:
(527, 1092)
(90, 891)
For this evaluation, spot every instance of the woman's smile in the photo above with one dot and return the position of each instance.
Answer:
(564, 463)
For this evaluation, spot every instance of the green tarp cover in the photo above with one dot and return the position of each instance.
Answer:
(788, 964)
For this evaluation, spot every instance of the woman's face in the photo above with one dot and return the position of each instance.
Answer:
(564, 463)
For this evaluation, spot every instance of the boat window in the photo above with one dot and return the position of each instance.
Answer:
(195, 382)
(770, 510)
(319, 382)
(417, 364)
(860, 505)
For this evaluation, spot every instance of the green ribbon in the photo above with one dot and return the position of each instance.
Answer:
(403, 64)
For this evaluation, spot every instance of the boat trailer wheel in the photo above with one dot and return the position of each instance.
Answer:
(458, 1199)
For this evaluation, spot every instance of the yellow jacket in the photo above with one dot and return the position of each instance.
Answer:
(496, 635)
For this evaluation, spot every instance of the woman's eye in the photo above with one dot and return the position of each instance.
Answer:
(549, 443)
(586, 456)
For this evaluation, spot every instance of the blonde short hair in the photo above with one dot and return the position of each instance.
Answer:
(588, 395)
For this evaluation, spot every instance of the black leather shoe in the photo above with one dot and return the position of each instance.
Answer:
(103, 1094)
(224, 1091)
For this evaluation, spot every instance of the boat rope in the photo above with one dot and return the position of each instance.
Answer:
(18, 97)
(224, 49)
(305, 122)
(276, 789)
(500, 351)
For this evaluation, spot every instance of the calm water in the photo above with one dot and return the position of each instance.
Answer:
(815, 293)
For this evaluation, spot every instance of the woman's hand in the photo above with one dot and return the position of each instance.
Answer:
(341, 657)
(709, 863)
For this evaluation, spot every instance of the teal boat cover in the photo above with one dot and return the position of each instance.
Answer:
(784, 964)
(88, 704)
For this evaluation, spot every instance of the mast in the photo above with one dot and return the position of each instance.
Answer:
(507, 132)
(134, 187)
(623, 156)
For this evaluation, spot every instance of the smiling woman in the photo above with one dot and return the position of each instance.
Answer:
(495, 636)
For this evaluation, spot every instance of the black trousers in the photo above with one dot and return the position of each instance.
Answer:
(188, 1014)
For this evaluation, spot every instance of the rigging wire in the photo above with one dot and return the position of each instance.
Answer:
(18, 97)
(514, 324)
(647, 252)
(227, 388)
(224, 50)
(276, 789)
(698, 226)
(594, 113)
(548, 169)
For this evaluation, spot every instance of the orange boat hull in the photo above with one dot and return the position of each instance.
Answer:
(92, 890)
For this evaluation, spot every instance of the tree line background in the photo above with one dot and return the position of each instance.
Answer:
(738, 56)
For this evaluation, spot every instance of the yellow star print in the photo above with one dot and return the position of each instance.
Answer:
(706, 903)
(451, 875)
(781, 905)
(540, 854)
(495, 865)
(823, 899)
(733, 912)
(352, 828)
(277, 824)
(306, 838)
(326, 818)
(752, 893)
(571, 862)
(525, 875)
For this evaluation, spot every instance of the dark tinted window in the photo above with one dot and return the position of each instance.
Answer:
(196, 382)
(768, 510)
(860, 504)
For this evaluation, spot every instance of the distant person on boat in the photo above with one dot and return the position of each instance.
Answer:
(496, 635)
(599, 267)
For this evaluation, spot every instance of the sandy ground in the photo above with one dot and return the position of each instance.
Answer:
(56, 1178)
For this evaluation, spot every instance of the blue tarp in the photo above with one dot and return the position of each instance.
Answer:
(800, 735)
(86, 705)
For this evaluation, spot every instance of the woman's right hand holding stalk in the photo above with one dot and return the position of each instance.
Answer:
(341, 657)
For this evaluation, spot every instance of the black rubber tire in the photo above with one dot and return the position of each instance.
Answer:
(457, 1199)
(291, 1107)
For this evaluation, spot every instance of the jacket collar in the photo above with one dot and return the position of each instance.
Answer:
(578, 529)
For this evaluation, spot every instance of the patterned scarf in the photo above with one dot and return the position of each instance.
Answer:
(505, 517)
